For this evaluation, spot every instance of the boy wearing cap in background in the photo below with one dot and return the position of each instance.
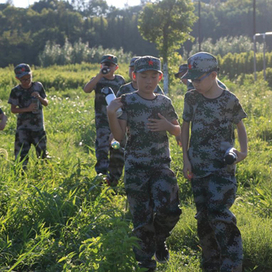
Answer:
(26, 100)
(3, 119)
(132, 86)
(181, 72)
(113, 166)
(213, 112)
(150, 184)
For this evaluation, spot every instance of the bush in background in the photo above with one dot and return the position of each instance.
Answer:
(54, 54)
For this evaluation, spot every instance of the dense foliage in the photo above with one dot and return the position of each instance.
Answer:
(25, 32)
(59, 217)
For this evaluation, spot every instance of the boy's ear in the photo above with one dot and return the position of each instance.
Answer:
(214, 74)
(160, 76)
(116, 67)
(133, 75)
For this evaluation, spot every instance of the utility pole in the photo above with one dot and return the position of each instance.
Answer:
(254, 37)
(199, 27)
(254, 17)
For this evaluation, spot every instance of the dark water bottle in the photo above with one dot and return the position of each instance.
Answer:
(36, 101)
(230, 156)
(105, 70)
(109, 96)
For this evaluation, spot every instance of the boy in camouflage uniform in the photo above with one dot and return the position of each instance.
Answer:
(27, 100)
(113, 166)
(132, 86)
(213, 112)
(3, 119)
(150, 184)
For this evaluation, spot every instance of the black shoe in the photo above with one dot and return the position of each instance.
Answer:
(162, 253)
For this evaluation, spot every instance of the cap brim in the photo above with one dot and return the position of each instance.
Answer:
(177, 75)
(22, 74)
(193, 75)
(143, 70)
(110, 61)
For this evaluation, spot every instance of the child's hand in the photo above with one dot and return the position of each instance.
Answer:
(178, 139)
(187, 170)
(32, 107)
(161, 124)
(240, 155)
(36, 94)
(114, 105)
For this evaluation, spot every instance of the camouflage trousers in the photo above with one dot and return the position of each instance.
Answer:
(154, 205)
(219, 236)
(23, 141)
(109, 161)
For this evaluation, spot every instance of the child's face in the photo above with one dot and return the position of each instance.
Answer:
(147, 81)
(111, 66)
(204, 83)
(26, 81)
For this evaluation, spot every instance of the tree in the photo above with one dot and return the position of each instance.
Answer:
(167, 23)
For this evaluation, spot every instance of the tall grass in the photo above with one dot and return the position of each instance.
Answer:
(58, 216)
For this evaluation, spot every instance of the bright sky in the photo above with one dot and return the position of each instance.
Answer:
(116, 3)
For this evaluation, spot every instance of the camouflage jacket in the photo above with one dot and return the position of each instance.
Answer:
(212, 130)
(128, 88)
(22, 98)
(100, 101)
(144, 148)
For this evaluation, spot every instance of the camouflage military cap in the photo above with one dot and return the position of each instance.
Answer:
(182, 69)
(109, 58)
(147, 63)
(132, 61)
(199, 64)
(21, 70)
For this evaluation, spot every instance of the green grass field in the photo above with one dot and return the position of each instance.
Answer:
(57, 217)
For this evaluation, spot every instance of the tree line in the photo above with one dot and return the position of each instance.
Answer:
(24, 32)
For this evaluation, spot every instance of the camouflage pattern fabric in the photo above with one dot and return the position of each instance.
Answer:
(128, 88)
(114, 163)
(23, 141)
(22, 98)
(125, 89)
(30, 126)
(147, 63)
(200, 64)
(132, 61)
(109, 58)
(213, 184)
(212, 131)
(218, 234)
(153, 200)
(150, 184)
(21, 70)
